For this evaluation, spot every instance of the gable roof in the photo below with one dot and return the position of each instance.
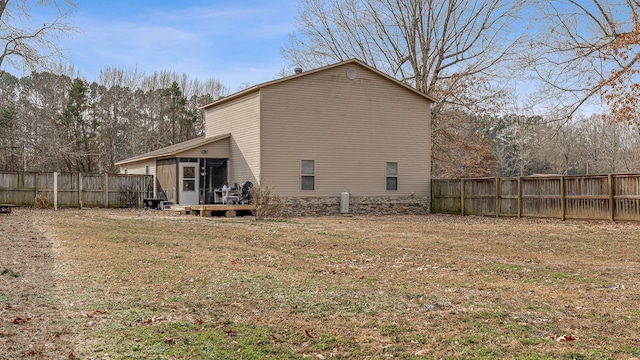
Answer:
(304, 73)
(175, 149)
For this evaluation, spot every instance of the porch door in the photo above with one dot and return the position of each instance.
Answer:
(188, 183)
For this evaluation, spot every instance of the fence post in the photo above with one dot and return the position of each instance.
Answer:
(497, 196)
(80, 191)
(55, 191)
(462, 197)
(612, 203)
(35, 186)
(519, 197)
(563, 202)
(106, 190)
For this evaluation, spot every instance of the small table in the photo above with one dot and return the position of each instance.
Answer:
(5, 208)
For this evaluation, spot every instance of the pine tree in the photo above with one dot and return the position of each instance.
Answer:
(78, 130)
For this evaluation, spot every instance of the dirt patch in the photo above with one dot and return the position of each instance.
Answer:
(30, 306)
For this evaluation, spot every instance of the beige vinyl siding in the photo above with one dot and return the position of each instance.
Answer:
(351, 128)
(214, 150)
(139, 167)
(241, 118)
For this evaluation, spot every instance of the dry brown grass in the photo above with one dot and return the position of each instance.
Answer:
(30, 326)
(133, 283)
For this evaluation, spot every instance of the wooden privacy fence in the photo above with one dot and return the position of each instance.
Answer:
(613, 197)
(74, 189)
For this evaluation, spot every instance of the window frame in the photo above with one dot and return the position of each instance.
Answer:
(305, 176)
(389, 176)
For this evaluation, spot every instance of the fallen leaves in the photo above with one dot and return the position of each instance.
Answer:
(153, 320)
(567, 338)
(97, 312)
(170, 341)
(20, 321)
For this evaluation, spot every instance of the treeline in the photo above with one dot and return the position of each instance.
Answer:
(60, 122)
(515, 145)
(587, 144)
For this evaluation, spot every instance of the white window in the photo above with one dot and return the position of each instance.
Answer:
(307, 175)
(392, 176)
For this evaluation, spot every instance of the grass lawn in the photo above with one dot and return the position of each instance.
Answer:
(114, 284)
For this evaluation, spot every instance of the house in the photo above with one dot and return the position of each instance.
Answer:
(309, 137)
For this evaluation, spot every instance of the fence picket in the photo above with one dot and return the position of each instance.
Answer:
(602, 197)
(75, 190)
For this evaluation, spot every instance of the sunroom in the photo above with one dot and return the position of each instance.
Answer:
(192, 172)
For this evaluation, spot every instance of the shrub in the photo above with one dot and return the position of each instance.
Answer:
(129, 197)
(41, 202)
(266, 205)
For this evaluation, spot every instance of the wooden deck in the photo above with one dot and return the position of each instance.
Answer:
(208, 210)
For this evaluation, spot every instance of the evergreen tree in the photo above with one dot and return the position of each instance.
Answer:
(182, 119)
(79, 130)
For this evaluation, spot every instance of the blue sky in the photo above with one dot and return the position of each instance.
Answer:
(235, 42)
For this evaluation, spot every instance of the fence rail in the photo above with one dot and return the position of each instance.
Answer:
(612, 197)
(75, 189)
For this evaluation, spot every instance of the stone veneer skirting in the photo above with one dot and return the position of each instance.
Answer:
(358, 205)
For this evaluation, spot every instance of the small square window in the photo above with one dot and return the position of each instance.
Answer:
(392, 176)
(307, 173)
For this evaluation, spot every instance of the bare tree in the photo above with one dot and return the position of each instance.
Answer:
(124, 78)
(25, 44)
(450, 49)
(587, 53)
(607, 147)
(41, 100)
(582, 145)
